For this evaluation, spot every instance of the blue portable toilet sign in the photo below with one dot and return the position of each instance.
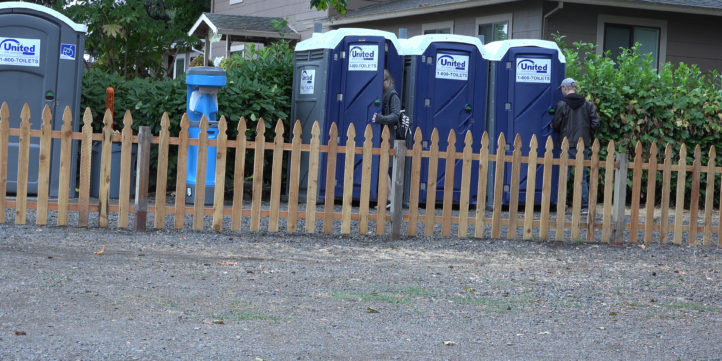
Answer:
(452, 66)
(19, 52)
(530, 70)
(308, 83)
(363, 58)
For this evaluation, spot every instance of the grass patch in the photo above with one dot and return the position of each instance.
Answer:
(495, 304)
(166, 302)
(394, 295)
(238, 315)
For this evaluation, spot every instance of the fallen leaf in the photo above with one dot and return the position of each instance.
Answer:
(371, 310)
(101, 251)
(448, 343)
(227, 263)
(544, 333)
(612, 313)
(38, 230)
(218, 322)
(643, 247)
(20, 333)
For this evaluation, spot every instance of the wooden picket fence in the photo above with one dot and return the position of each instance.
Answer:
(614, 220)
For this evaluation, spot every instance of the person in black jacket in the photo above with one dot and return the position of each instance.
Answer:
(390, 115)
(575, 118)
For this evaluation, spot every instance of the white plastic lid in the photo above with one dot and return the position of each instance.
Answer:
(418, 44)
(331, 39)
(497, 49)
(24, 5)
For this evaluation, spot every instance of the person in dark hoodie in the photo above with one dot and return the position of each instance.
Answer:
(575, 118)
(390, 115)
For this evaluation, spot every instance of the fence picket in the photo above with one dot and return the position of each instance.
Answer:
(498, 186)
(65, 158)
(562, 196)
(4, 140)
(276, 177)
(86, 154)
(329, 196)
(41, 216)
(199, 198)
(546, 189)
(312, 191)
(679, 203)
(514, 196)
(105, 159)
(181, 171)
(530, 190)
(593, 191)
(430, 213)
(294, 173)
(239, 168)
(125, 164)
(348, 174)
(415, 183)
(694, 196)
(448, 202)
(258, 158)
(651, 186)
(465, 186)
(577, 197)
(161, 179)
(220, 187)
(666, 191)
(636, 193)
(21, 194)
(608, 193)
(382, 193)
(709, 198)
(480, 216)
(366, 174)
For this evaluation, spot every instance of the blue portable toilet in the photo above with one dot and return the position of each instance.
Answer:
(338, 78)
(445, 88)
(526, 74)
(203, 84)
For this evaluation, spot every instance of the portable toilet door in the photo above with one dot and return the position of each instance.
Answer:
(446, 90)
(41, 54)
(527, 74)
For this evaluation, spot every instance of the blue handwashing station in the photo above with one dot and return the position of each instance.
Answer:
(203, 84)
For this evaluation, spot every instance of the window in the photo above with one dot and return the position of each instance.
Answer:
(494, 28)
(615, 32)
(180, 64)
(445, 27)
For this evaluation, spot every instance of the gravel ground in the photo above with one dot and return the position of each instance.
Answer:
(186, 295)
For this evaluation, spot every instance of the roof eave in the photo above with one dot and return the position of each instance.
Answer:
(650, 6)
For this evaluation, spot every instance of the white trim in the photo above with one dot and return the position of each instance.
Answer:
(203, 19)
(497, 49)
(331, 39)
(626, 20)
(438, 26)
(39, 8)
(232, 2)
(418, 44)
(495, 19)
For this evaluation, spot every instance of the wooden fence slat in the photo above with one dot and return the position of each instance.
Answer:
(330, 195)
(608, 193)
(348, 179)
(294, 174)
(161, 179)
(546, 189)
(312, 191)
(679, 203)
(239, 167)
(593, 191)
(21, 194)
(41, 216)
(448, 202)
(382, 193)
(430, 213)
(636, 192)
(65, 160)
(86, 154)
(276, 177)
(105, 159)
(199, 198)
(562, 195)
(415, 183)
(125, 164)
(530, 189)
(181, 172)
(709, 198)
(365, 174)
(694, 196)
(258, 158)
(479, 219)
(666, 192)
(498, 186)
(142, 178)
(220, 184)
(577, 198)
(465, 186)
(4, 140)
(651, 187)
(514, 195)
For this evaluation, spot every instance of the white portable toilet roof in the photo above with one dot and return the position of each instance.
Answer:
(418, 44)
(39, 8)
(331, 39)
(497, 49)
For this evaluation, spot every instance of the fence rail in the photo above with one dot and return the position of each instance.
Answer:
(611, 220)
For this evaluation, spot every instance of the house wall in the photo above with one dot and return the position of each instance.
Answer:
(692, 39)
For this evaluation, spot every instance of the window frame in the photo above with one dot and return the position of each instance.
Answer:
(438, 26)
(232, 2)
(495, 19)
(661, 24)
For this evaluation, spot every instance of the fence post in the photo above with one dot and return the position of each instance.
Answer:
(142, 172)
(620, 198)
(397, 189)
